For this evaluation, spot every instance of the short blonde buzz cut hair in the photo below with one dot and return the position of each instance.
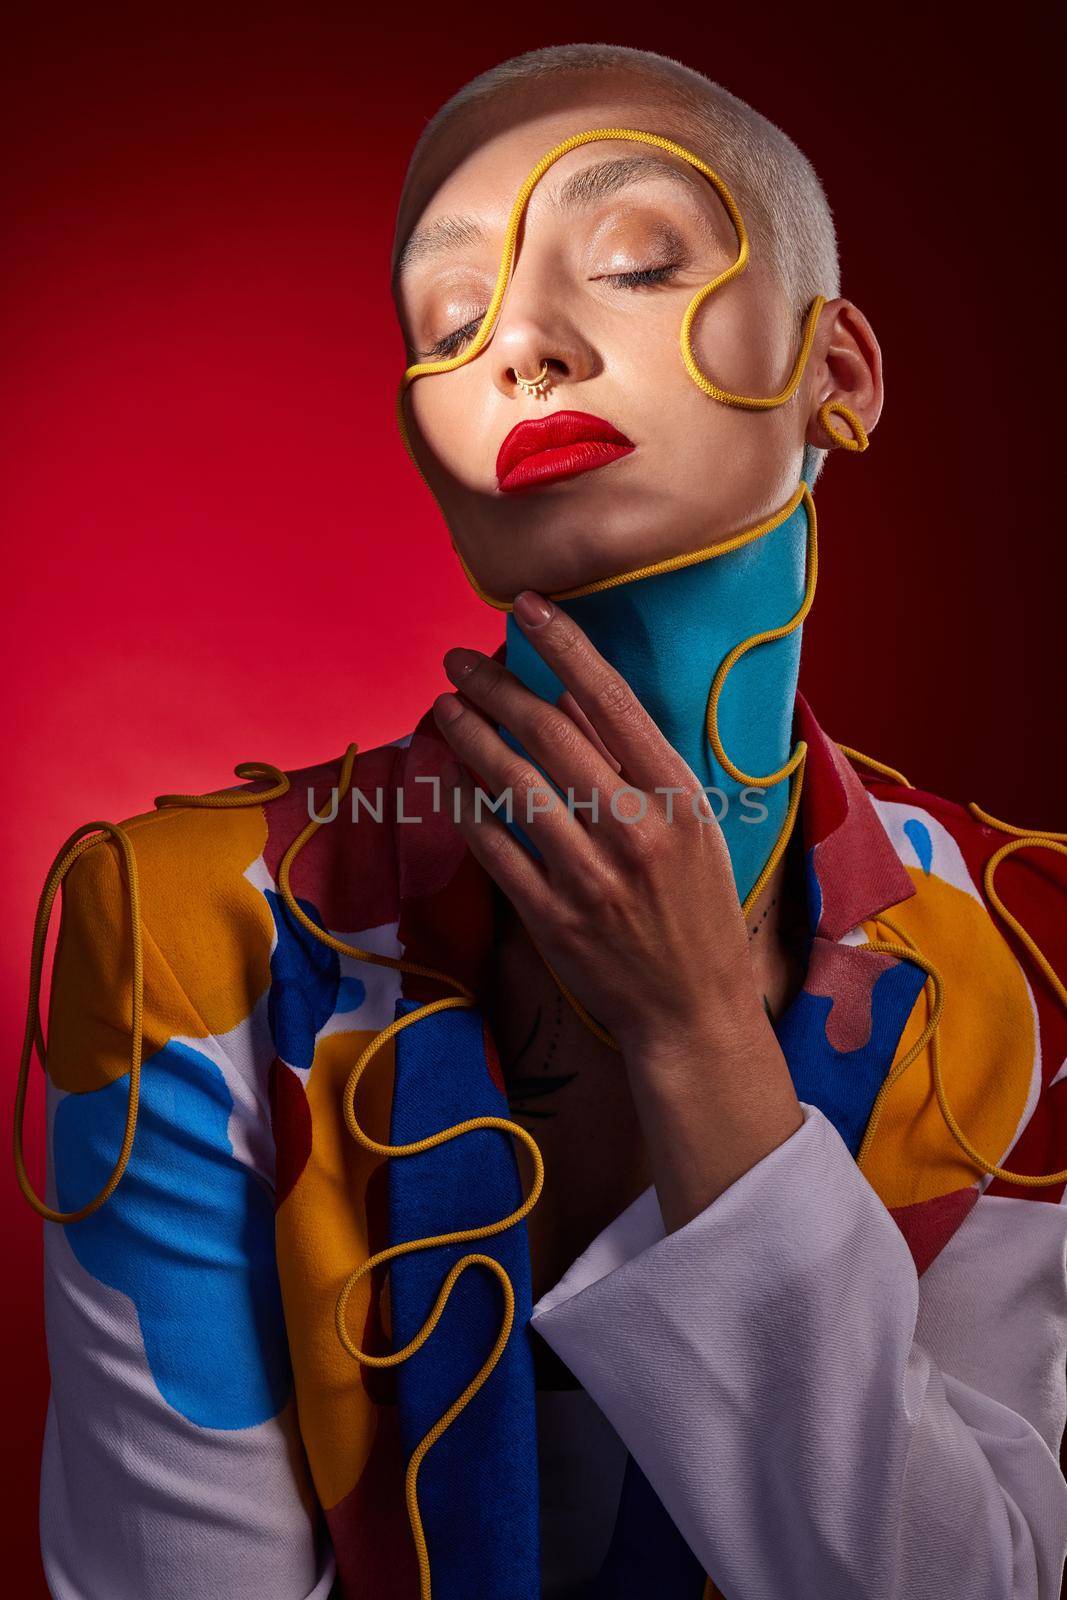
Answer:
(781, 197)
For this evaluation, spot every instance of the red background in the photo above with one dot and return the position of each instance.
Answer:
(200, 358)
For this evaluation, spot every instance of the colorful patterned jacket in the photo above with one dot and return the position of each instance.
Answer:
(845, 1378)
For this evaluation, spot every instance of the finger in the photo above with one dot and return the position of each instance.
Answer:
(569, 704)
(552, 738)
(646, 758)
(537, 809)
(521, 877)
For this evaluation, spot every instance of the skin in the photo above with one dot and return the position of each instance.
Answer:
(640, 920)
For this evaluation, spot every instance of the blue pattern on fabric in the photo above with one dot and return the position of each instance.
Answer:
(351, 993)
(845, 1083)
(188, 1235)
(923, 845)
(478, 1484)
(305, 976)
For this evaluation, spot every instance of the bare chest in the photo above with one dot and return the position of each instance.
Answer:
(570, 1092)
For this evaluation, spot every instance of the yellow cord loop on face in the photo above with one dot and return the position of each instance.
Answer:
(725, 396)
(81, 840)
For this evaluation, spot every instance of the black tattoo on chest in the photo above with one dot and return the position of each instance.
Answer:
(523, 1081)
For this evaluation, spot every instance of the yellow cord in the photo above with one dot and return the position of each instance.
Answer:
(875, 766)
(81, 840)
(1024, 839)
(725, 396)
(858, 441)
(464, 998)
(906, 950)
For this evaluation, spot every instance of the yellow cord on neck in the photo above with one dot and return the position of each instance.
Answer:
(794, 764)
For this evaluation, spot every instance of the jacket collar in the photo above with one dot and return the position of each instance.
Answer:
(853, 871)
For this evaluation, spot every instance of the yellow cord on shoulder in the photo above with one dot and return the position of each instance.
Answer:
(906, 950)
(81, 840)
(875, 766)
(1023, 839)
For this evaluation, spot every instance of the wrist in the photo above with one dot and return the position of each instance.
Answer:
(728, 1030)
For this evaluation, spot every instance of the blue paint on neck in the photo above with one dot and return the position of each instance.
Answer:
(667, 634)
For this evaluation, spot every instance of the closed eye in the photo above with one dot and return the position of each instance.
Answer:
(639, 278)
(643, 277)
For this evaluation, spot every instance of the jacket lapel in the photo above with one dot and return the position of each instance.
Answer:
(842, 1029)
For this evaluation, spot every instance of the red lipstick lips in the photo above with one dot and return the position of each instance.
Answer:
(560, 445)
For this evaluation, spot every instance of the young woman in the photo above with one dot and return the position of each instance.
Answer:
(606, 1142)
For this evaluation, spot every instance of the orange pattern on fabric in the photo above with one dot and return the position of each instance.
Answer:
(203, 972)
(913, 1155)
(322, 1233)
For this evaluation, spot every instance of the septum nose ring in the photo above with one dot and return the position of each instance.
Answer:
(536, 385)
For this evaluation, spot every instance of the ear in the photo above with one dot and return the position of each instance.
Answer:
(847, 366)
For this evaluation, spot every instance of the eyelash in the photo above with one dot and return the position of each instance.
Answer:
(640, 278)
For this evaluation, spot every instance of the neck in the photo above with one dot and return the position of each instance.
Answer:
(667, 633)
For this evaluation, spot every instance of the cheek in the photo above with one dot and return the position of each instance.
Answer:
(740, 341)
(449, 410)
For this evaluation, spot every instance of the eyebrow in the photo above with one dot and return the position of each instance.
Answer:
(447, 234)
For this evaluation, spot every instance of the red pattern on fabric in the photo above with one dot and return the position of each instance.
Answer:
(379, 1382)
(369, 1528)
(928, 1225)
(859, 871)
(346, 869)
(290, 1120)
(846, 975)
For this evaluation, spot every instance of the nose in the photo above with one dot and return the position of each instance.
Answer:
(537, 328)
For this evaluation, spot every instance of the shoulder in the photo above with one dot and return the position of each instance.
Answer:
(987, 915)
(1004, 866)
(189, 891)
(188, 842)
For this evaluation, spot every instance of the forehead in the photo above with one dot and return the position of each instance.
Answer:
(471, 187)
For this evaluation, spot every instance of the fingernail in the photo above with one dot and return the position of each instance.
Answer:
(532, 609)
(446, 708)
(458, 662)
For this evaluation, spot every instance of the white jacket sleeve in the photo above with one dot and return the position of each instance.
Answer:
(816, 1418)
(173, 1466)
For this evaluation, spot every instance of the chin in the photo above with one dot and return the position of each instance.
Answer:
(555, 538)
